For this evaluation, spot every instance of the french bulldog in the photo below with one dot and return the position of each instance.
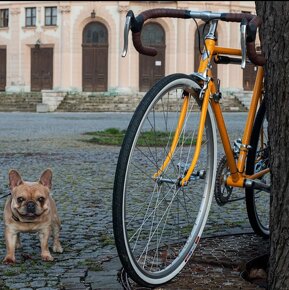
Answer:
(30, 208)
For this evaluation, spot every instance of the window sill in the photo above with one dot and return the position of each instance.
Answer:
(49, 27)
(29, 27)
(6, 28)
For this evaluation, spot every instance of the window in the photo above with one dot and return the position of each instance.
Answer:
(4, 17)
(95, 33)
(50, 16)
(30, 17)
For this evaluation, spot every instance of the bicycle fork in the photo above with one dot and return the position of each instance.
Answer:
(206, 91)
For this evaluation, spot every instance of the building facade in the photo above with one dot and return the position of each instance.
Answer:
(75, 46)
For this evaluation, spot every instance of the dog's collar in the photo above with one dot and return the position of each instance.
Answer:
(3, 196)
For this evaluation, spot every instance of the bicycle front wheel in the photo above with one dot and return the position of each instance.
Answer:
(157, 222)
(258, 201)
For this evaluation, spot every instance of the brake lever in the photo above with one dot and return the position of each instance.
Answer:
(126, 32)
(243, 42)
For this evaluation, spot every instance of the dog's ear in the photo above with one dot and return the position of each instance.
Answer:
(46, 178)
(14, 179)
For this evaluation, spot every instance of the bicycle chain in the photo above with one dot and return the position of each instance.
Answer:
(222, 192)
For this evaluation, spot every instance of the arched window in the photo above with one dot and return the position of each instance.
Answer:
(95, 33)
(153, 34)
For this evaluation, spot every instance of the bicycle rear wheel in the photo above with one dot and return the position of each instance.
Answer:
(158, 223)
(258, 201)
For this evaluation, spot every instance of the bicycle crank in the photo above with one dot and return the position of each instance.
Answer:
(223, 192)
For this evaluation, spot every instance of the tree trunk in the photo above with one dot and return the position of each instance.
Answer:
(275, 45)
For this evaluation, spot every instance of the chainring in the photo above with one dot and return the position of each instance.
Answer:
(222, 191)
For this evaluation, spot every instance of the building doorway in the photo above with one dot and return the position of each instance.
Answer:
(152, 69)
(94, 58)
(2, 69)
(249, 76)
(41, 69)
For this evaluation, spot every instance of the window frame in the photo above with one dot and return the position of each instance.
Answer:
(31, 17)
(4, 18)
(48, 19)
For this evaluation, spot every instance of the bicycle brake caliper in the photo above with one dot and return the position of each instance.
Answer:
(217, 95)
(205, 80)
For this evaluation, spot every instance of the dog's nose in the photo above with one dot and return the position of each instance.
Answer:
(30, 207)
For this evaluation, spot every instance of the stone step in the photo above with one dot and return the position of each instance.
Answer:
(17, 109)
(78, 103)
(23, 102)
(101, 102)
(244, 98)
(84, 103)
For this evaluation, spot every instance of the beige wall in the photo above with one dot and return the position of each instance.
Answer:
(123, 73)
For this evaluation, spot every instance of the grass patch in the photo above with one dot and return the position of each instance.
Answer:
(113, 136)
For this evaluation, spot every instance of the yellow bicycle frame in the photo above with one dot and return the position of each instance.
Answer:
(237, 176)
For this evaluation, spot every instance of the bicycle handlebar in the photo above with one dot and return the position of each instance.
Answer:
(135, 24)
(251, 31)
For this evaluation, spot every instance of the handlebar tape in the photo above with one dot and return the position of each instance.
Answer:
(236, 17)
(137, 23)
(251, 31)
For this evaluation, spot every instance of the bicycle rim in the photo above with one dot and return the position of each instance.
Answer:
(258, 201)
(159, 222)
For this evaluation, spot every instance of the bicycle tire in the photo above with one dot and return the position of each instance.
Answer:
(258, 205)
(154, 227)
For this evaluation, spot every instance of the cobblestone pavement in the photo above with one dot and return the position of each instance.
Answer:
(82, 187)
(217, 264)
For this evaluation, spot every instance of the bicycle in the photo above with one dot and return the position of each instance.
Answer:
(167, 172)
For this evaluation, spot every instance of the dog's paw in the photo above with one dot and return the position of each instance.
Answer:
(9, 260)
(57, 248)
(47, 257)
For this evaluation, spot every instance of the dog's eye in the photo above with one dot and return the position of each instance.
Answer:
(20, 199)
(41, 199)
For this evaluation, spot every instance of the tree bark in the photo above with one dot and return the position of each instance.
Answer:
(275, 45)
